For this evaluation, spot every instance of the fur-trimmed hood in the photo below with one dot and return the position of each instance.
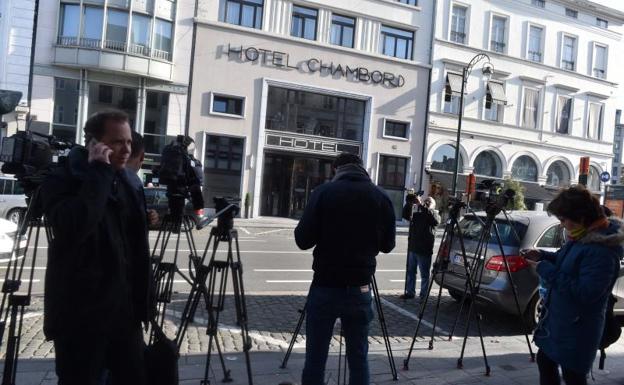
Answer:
(611, 236)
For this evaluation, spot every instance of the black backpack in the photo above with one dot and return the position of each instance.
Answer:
(611, 332)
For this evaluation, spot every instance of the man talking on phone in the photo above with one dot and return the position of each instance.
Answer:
(98, 273)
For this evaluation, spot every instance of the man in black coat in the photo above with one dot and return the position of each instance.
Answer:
(349, 220)
(97, 285)
(423, 219)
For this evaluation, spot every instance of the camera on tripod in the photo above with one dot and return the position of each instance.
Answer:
(490, 193)
(226, 211)
(182, 174)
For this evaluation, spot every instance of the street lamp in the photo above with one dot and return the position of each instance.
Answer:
(487, 70)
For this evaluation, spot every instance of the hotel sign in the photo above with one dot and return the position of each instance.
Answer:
(283, 60)
(289, 142)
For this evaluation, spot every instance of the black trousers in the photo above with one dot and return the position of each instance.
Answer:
(116, 358)
(549, 372)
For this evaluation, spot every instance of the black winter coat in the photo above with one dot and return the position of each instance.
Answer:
(98, 275)
(422, 229)
(349, 220)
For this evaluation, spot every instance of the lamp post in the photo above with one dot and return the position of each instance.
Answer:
(488, 70)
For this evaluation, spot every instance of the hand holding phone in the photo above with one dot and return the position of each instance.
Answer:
(99, 151)
(532, 255)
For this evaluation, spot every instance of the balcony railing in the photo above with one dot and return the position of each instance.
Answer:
(136, 49)
(535, 56)
(458, 37)
(497, 46)
(568, 65)
(599, 73)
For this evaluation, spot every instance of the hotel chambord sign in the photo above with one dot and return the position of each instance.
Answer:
(283, 60)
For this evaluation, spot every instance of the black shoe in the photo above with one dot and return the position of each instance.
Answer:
(407, 296)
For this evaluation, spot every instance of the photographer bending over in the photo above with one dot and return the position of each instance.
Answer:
(349, 220)
(578, 278)
(98, 273)
(423, 219)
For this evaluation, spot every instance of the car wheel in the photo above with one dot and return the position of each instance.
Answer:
(15, 215)
(456, 295)
(533, 311)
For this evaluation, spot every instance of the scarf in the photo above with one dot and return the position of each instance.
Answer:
(580, 232)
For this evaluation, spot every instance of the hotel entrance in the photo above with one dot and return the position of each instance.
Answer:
(288, 181)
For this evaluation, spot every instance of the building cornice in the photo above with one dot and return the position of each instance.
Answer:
(521, 61)
(312, 43)
(594, 8)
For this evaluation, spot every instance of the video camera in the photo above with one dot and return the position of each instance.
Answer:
(412, 195)
(182, 174)
(490, 192)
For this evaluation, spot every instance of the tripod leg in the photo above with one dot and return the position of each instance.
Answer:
(340, 356)
(294, 337)
(241, 310)
(384, 328)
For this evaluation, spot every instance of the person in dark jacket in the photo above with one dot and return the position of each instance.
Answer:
(578, 278)
(349, 220)
(423, 219)
(97, 286)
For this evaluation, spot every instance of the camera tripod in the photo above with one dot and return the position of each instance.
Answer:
(13, 304)
(164, 272)
(382, 324)
(210, 283)
(473, 277)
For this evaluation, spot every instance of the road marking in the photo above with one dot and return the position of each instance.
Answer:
(310, 270)
(411, 315)
(244, 230)
(270, 231)
(27, 267)
(290, 281)
(24, 280)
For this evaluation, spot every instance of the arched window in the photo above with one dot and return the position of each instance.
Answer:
(489, 164)
(444, 159)
(524, 168)
(593, 179)
(558, 174)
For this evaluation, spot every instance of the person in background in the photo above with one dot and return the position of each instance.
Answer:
(578, 279)
(349, 220)
(134, 164)
(423, 221)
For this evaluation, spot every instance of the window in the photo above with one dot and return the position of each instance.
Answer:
(247, 13)
(452, 92)
(594, 121)
(116, 30)
(525, 169)
(66, 97)
(223, 166)
(539, 3)
(558, 175)
(571, 13)
(444, 159)
(104, 96)
(602, 23)
(535, 43)
(495, 100)
(342, 29)
(141, 31)
(69, 24)
(396, 129)
(304, 22)
(228, 105)
(155, 127)
(458, 24)
(497, 39)
(162, 39)
(551, 238)
(593, 179)
(396, 42)
(392, 173)
(92, 22)
(568, 57)
(564, 114)
(600, 61)
(317, 114)
(488, 163)
(408, 2)
(531, 107)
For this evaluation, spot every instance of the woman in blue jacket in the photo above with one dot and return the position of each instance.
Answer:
(578, 279)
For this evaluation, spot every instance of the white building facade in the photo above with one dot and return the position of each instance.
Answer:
(281, 87)
(16, 27)
(132, 55)
(549, 102)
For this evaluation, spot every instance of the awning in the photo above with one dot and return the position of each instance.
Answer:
(496, 93)
(453, 84)
(532, 190)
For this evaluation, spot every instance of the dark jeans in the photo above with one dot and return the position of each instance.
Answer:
(549, 372)
(423, 263)
(86, 359)
(353, 306)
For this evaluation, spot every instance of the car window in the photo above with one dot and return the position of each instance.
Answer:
(17, 188)
(2, 184)
(550, 238)
(471, 229)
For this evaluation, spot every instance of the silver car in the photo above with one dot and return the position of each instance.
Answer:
(12, 199)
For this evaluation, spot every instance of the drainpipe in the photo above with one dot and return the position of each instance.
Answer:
(32, 61)
(431, 47)
(190, 84)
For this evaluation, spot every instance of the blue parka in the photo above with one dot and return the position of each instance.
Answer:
(578, 278)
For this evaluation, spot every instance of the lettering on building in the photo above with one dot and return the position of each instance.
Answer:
(295, 143)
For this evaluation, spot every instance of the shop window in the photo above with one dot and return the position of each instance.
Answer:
(66, 98)
(223, 165)
(392, 175)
